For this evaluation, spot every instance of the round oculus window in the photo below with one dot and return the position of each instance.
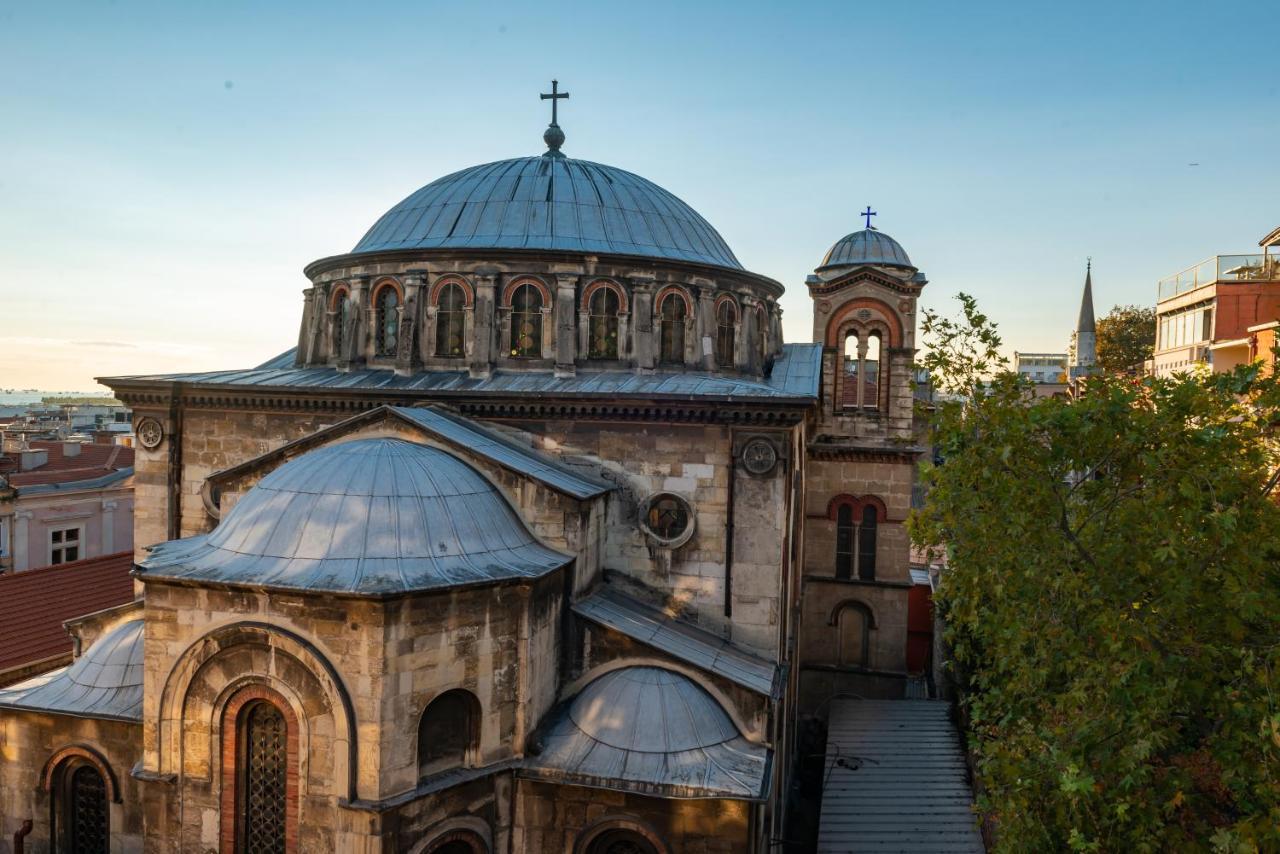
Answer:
(668, 519)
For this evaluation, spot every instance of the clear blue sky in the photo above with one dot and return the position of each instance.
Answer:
(166, 170)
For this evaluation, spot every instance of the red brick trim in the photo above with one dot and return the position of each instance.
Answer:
(723, 298)
(843, 319)
(509, 291)
(230, 777)
(618, 822)
(468, 296)
(338, 290)
(668, 291)
(608, 284)
(857, 503)
(385, 282)
(87, 754)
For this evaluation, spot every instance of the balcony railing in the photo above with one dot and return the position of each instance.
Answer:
(1222, 268)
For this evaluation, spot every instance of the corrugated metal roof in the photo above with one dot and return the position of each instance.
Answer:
(104, 682)
(504, 451)
(38, 601)
(896, 780)
(796, 375)
(369, 517)
(695, 646)
(869, 246)
(551, 203)
(651, 730)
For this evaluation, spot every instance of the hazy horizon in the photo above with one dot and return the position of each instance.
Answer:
(169, 171)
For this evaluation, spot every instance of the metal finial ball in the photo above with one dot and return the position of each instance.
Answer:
(553, 137)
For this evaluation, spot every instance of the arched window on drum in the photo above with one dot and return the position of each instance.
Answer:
(671, 313)
(726, 332)
(386, 319)
(602, 332)
(526, 322)
(451, 321)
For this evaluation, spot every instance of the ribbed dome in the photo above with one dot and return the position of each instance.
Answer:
(868, 246)
(651, 710)
(104, 682)
(370, 517)
(551, 203)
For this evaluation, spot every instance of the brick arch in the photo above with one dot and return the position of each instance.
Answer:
(618, 821)
(205, 651)
(609, 284)
(86, 754)
(509, 291)
(842, 319)
(469, 829)
(231, 728)
(468, 294)
(865, 607)
(668, 291)
(385, 282)
(857, 504)
(737, 308)
(335, 292)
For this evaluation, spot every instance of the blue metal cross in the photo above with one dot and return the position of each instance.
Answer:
(869, 213)
(555, 96)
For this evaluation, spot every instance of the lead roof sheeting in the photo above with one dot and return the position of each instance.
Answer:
(700, 648)
(369, 517)
(796, 375)
(550, 203)
(504, 451)
(651, 730)
(105, 682)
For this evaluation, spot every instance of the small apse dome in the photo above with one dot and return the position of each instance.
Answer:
(869, 246)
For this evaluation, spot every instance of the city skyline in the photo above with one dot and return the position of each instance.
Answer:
(173, 170)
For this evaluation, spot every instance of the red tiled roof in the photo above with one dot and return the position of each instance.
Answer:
(35, 603)
(93, 461)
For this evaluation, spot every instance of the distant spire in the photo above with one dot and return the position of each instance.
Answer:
(553, 136)
(1086, 329)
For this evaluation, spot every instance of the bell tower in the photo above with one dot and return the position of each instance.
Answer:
(855, 633)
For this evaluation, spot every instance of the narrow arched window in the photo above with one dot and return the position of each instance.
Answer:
(672, 313)
(81, 816)
(867, 544)
(871, 374)
(852, 370)
(602, 334)
(450, 321)
(341, 314)
(262, 786)
(844, 541)
(526, 322)
(448, 733)
(726, 329)
(387, 320)
(854, 627)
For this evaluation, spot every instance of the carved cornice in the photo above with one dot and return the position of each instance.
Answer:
(864, 274)
(863, 453)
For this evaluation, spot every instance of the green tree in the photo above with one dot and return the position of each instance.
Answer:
(1126, 338)
(1112, 601)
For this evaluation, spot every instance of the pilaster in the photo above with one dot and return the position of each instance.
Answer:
(565, 343)
(480, 364)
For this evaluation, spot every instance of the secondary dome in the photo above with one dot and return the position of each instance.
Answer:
(370, 517)
(104, 682)
(650, 710)
(868, 246)
(549, 202)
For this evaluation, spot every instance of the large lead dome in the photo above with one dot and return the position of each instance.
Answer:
(550, 202)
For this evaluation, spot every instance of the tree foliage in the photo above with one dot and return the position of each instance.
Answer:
(1112, 603)
(1126, 338)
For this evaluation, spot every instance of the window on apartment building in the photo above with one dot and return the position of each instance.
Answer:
(64, 545)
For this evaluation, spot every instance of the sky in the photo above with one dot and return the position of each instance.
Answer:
(167, 170)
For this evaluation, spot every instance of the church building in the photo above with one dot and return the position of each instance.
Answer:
(541, 539)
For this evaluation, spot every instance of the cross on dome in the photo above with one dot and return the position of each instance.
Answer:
(553, 136)
(869, 213)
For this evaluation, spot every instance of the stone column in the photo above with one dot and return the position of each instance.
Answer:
(751, 333)
(584, 328)
(482, 319)
(356, 334)
(565, 346)
(775, 325)
(644, 347)
(306, 329)
(407, 350)
(624, 348)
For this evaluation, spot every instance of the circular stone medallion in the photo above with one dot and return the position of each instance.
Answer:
(759, 456)
(150, 434)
